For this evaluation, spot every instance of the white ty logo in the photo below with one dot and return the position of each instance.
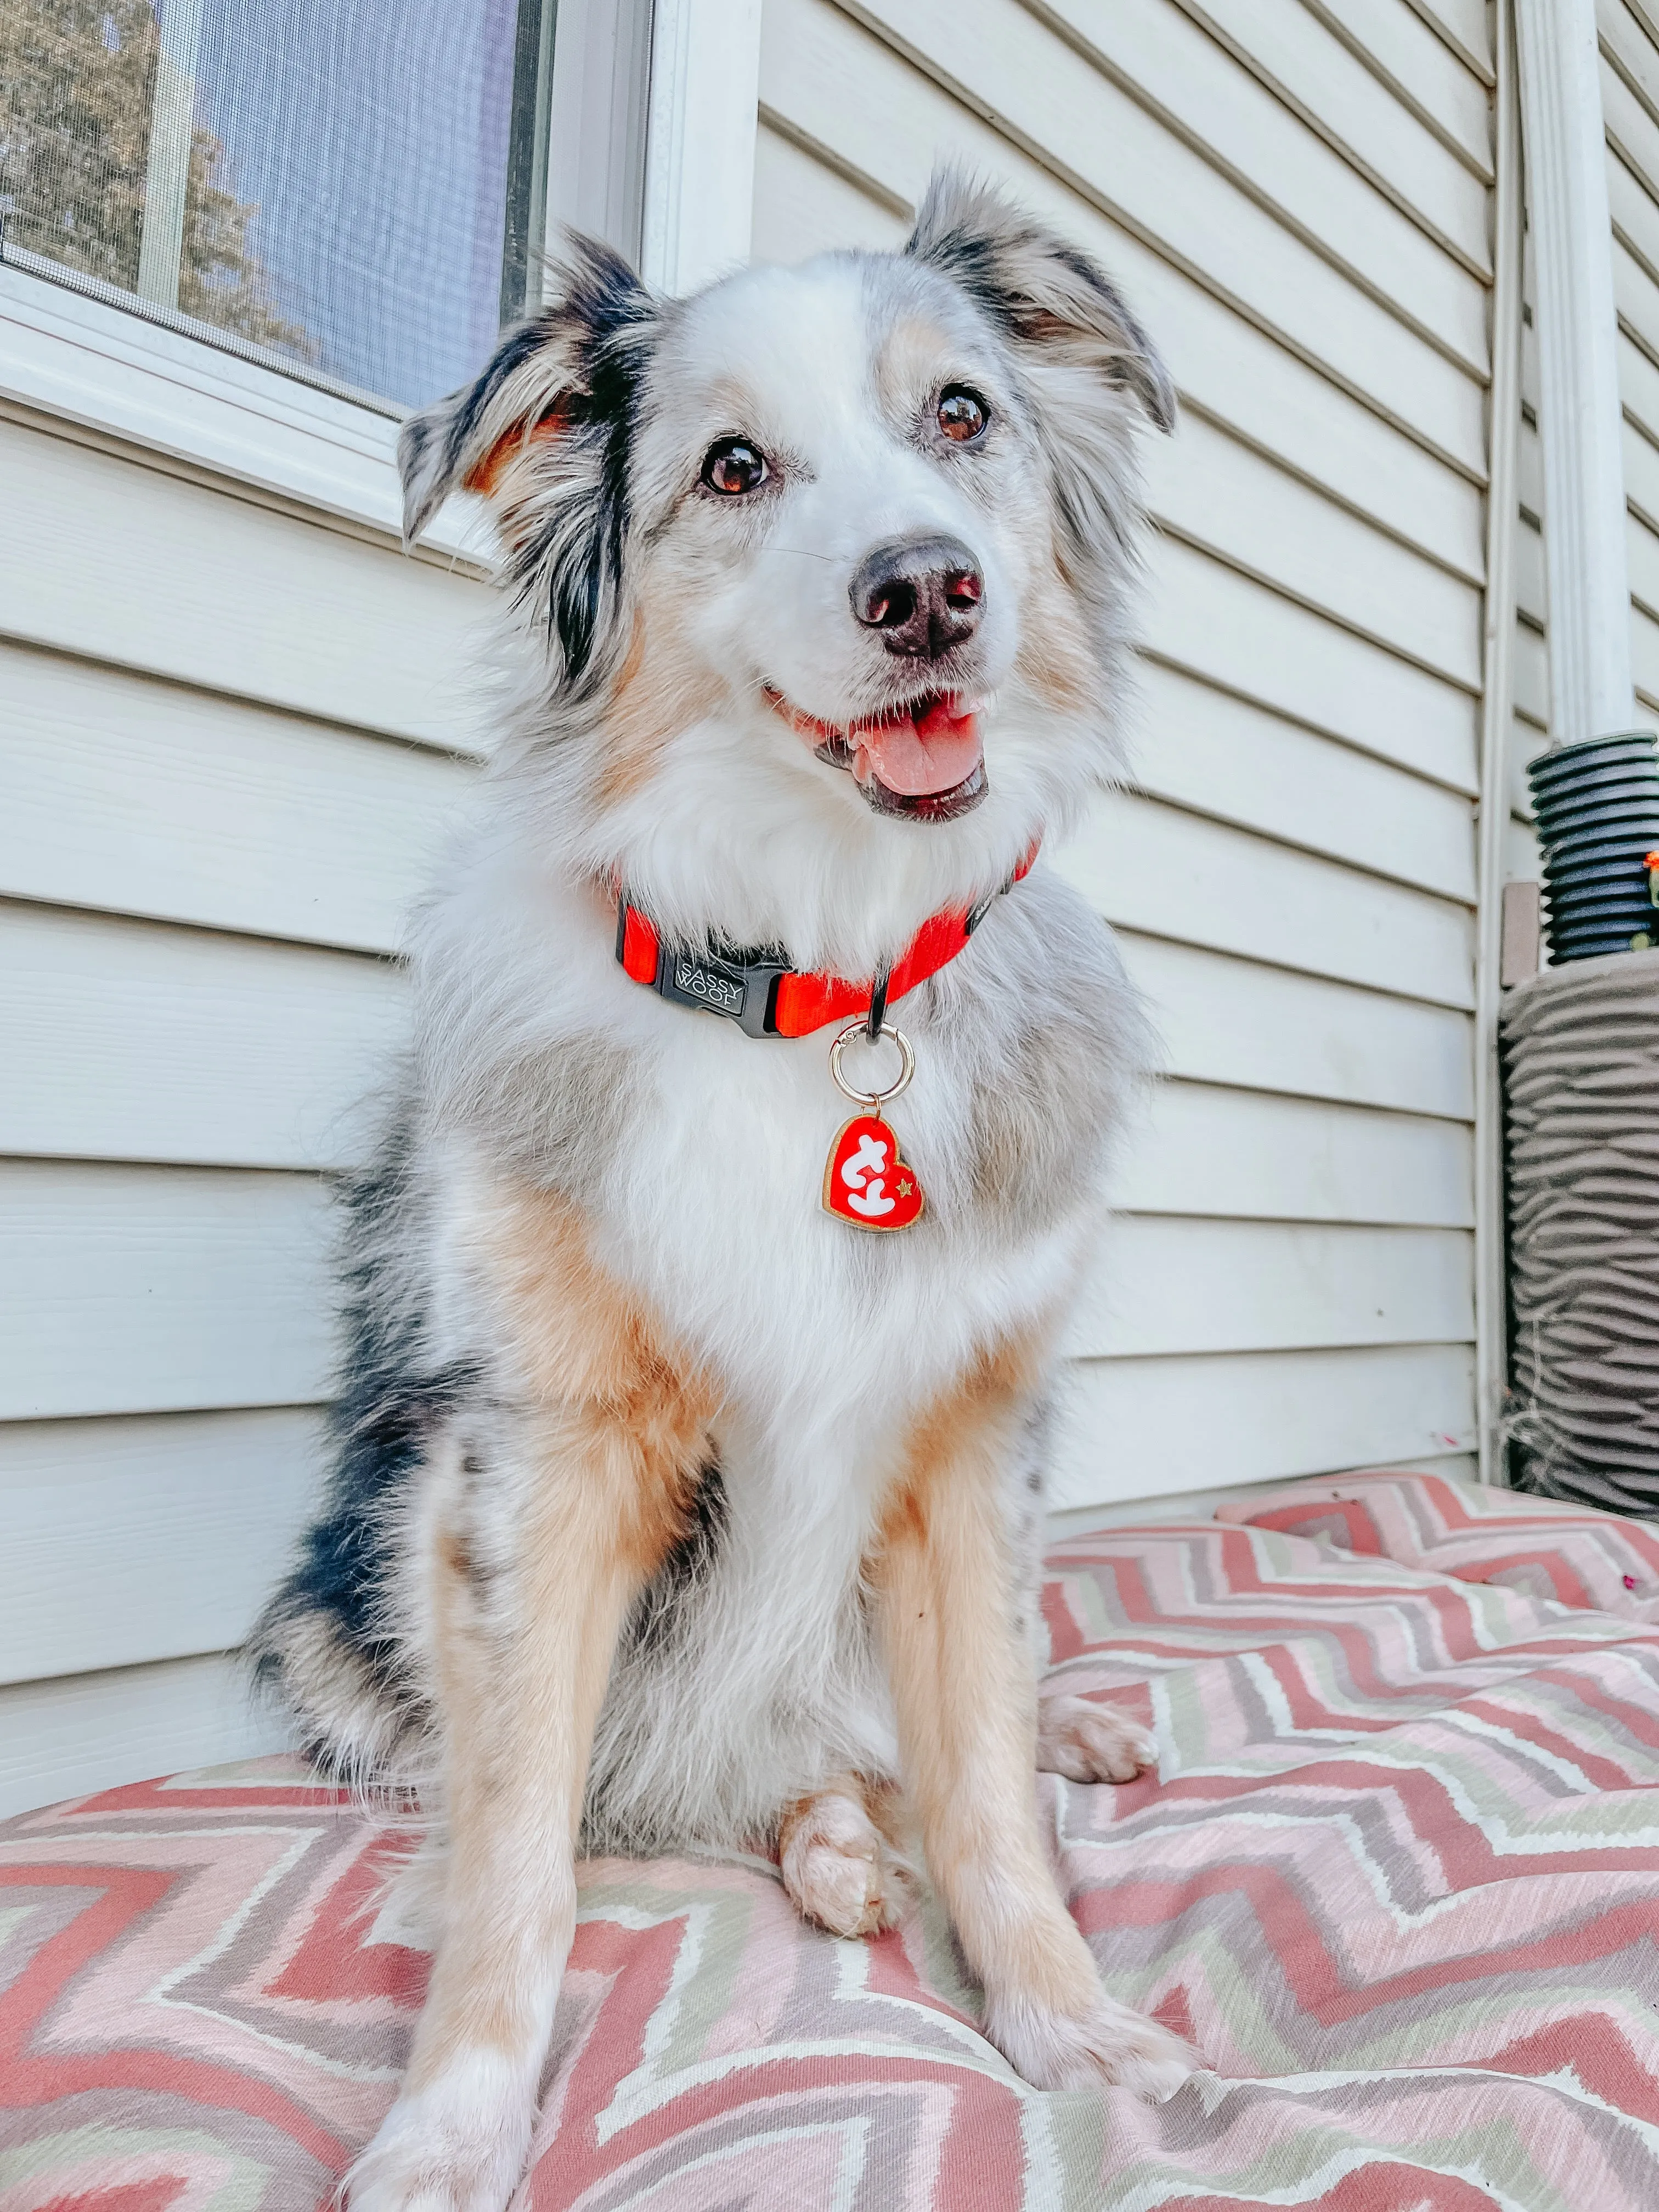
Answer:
(868, 1197)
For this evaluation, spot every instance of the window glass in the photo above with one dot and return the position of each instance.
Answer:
(357, 191)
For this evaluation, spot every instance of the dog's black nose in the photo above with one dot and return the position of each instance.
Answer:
(923, 594)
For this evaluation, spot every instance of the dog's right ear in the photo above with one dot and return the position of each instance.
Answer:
(543, 434)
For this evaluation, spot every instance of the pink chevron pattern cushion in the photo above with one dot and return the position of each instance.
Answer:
(1398, 1876)
(1538, 1544)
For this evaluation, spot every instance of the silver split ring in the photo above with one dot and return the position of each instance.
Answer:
(854, 1033)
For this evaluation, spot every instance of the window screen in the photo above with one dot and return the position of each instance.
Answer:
(354, 191)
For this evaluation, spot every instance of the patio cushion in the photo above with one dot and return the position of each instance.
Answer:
(1399, 1877)
(1571, 1553)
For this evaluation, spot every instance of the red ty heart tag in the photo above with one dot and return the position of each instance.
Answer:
(868, 1181)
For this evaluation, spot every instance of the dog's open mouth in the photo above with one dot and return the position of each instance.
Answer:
(924, 760)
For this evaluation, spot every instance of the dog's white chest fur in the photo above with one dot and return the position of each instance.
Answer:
(828, 1345)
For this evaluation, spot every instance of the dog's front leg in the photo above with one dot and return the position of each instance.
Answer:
(532, 1564)
(965, 1692)
(520, 1675)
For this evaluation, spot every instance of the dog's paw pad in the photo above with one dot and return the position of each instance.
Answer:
(837, 1867)
(1087, 1742)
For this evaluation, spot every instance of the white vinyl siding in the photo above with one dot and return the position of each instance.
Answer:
(230, 729)
(1297, 199)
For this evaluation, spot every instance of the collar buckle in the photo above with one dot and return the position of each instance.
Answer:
(745, 991)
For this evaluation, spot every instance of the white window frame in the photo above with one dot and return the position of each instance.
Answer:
(65, 353)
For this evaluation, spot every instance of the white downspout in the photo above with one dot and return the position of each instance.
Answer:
(1503, 432)
(1577, 333)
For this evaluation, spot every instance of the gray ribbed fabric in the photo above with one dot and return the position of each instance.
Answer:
(1580, 1045)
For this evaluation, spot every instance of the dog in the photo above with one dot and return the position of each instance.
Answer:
(683, 1495)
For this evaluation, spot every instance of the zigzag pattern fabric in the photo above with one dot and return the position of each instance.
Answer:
(1398, 1877)
(1543, 1545)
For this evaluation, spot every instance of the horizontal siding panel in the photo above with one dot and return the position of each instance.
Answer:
(1531, 579)
(1621, 33)
(804, 207)
(1466, 27)
(1633, 139)
(1211, 490)
(1402, 48)
(1645, 656)
(846, 91)
(1334, 91)
(1530, 469)
(1233, 118)
(130, 1542)
(1178, 1285)
(1523, 860)
(1146, 1428)
(1210, 621)
(1204, 1150)
(1223, 1020)
(1218, 754)
(1636, 296)
(138, 797)
(1148, 868)
(1529, 673)
(1636, 227)
(160, 1289)
(1642, 554)
(1526, 743)
(1639, 385)
(107, 558)
(1641, 460)
(134, 1041)
(92, 1732)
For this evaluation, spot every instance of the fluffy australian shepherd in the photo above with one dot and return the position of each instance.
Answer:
(682, 1495)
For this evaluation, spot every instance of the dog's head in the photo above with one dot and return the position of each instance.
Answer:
(842, 552)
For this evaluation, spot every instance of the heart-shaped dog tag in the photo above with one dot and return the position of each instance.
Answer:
(868, 1181)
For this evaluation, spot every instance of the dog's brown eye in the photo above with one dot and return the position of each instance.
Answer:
(962, 415)
(733, 467)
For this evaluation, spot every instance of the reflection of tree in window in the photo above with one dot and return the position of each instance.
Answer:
(78, 88)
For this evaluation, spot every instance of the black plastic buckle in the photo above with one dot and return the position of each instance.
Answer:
(745, 991)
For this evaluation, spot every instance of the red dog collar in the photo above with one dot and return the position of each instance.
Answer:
(768, 998)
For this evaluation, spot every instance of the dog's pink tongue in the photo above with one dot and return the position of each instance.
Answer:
(935, 751)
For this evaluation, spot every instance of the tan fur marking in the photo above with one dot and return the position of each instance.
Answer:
(661, 691)
(915, 353)
(966, 1695)
(1055, 660)
(616, 1434)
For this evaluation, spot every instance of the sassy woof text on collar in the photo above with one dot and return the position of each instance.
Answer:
(867, 1180)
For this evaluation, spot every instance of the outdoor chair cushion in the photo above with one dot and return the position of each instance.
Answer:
(1538, 1544)
(1398, 1878)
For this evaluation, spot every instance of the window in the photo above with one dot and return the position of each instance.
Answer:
(355, 193)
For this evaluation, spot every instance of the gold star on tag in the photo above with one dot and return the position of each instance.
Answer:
(905, 1188)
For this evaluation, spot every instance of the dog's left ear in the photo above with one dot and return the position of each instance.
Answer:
(1046, 295)
(543, 434)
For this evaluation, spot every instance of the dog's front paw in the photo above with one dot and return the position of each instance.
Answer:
(836, 1866)
(1107, 2044)
(1087, 1742)
(458, 2145)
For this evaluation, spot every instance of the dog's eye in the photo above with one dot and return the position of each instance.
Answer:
(733, 467)
(962, 415)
